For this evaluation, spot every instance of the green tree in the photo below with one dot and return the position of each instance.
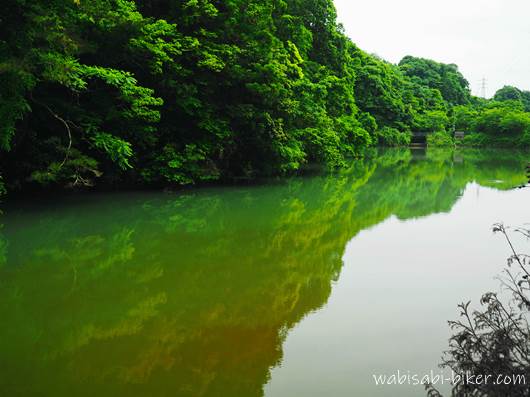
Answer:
(159, 92)
(444, 77)
(508, 93)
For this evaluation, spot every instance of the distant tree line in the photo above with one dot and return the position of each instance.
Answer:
(161, 92)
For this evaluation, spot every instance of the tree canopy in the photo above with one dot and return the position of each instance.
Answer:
(158, 92)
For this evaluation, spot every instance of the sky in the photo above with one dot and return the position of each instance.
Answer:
(487, 39)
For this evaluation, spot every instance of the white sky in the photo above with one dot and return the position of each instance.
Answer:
(485, 38)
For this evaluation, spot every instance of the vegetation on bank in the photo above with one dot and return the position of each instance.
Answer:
(161, 92)
(496, 123)
(493, 340)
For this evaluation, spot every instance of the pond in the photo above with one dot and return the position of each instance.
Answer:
(303, 286)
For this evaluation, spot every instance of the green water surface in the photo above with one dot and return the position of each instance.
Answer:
(226, 291)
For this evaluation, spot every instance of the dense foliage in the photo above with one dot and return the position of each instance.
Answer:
(509, 93)
(499, 123)
(453, 87)
(175, 92)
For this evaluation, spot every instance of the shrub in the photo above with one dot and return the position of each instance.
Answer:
(478, 139)
(440, 139)
(2, 187)
(475, 139)
(388, 136)
(524, 141)
(495, 339)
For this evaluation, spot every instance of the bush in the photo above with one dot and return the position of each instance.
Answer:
(388, 136)
(475, 139)
(464, 117)
(524, 141)
(478, 139)
(440, 139)
(495, 339)
(503, 122)
(432, 121)
(2, 187)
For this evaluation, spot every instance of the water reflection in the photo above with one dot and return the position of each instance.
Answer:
(193, 294)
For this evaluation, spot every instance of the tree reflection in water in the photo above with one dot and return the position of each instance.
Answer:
(192, 294)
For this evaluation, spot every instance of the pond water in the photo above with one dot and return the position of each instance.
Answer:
(304, 286)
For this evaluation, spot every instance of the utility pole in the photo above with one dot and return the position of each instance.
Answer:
(483, 85)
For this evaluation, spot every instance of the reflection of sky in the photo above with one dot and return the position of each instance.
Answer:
(400, 284)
